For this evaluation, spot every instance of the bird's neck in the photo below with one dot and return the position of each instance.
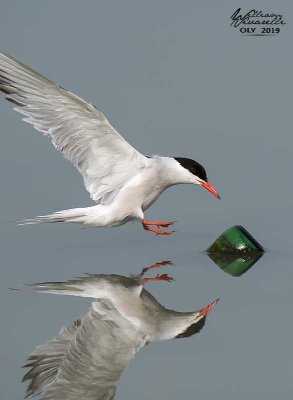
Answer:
(172, 172)
(175, 323)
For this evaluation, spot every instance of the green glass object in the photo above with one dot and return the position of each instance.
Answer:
(235, 239)
(235, 251)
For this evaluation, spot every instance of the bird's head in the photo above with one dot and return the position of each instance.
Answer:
(196, 174)
(197, 321)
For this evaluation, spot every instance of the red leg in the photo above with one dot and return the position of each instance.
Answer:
(156, 265)
(157, 231)
(163, 224)
(146, 227)
(163, 277)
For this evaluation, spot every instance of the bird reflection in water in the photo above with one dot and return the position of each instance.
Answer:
(87, 359)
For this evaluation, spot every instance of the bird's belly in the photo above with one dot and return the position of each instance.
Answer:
(144, 197)
(137, 196)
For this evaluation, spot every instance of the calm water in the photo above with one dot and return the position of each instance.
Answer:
(244, 350)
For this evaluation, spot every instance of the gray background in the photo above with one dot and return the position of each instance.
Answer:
(174, 79)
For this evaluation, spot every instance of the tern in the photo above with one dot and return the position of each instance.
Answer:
(122, 181)
(86, 360)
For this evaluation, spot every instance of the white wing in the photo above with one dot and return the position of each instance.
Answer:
(77, 128)
(90, 356)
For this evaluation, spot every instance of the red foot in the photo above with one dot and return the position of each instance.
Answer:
(156, 265)
(163, 277)
(157, 231)
(163, 224)
(146, 224)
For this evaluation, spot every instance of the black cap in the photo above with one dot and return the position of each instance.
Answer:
(194, 167)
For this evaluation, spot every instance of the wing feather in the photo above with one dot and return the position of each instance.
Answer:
(89, 357)
(45, 361)
(77, 128)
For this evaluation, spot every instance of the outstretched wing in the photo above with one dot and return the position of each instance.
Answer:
(45, 361)
(89, 357)
(77, 128)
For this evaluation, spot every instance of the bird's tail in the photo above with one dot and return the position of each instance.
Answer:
(90, 286)
(77, 215)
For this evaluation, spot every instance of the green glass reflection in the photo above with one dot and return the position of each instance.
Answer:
(235, 264)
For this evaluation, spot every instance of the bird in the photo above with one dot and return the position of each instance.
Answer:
(122, 181)
(86, 360)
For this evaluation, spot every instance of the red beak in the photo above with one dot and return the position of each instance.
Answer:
(210, 188)
(205, 311)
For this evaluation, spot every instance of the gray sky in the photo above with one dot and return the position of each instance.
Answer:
(174, 79)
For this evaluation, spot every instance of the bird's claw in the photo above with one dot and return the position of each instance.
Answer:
(162, 224)
(159, 232)
(156, 265)
(156, 231)
(163, 277)
(165, 224)
(165, 263)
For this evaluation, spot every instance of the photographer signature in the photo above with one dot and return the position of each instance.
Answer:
(254, 17)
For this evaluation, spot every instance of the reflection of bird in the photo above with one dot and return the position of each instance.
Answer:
(87, 359)
(123, 181)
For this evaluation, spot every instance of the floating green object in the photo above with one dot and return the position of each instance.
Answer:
(235, 251)
(235, 239)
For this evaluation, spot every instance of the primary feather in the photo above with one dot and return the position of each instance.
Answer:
(77, 128)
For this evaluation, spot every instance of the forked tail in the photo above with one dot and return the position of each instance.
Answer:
(78, 215)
